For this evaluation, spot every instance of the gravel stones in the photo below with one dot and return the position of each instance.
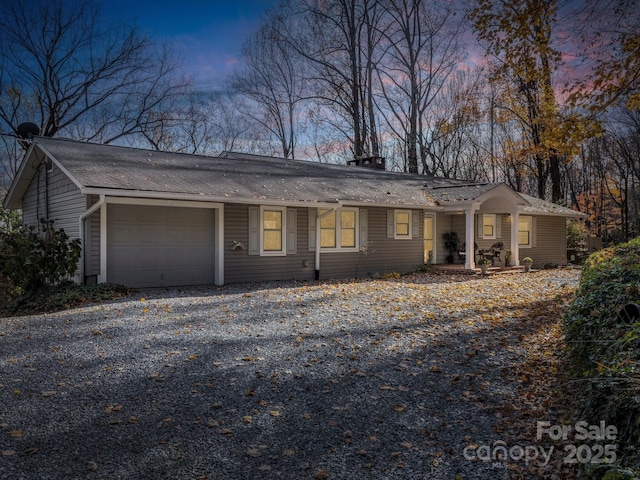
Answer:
(387, 378)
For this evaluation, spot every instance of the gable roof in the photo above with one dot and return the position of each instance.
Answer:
(240, 178)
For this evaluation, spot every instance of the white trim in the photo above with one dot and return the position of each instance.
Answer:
(434, 249)
(494, 224)
(529, 220)
(319, 240)
(469, 238)
(283, 231)
(396, 235)
(218, 208)
(339, 247)
(158, 202)
(218, 252)
(82, 233)
(59, 165)
(102, 276)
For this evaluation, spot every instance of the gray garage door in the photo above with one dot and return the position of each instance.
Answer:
(159, 246)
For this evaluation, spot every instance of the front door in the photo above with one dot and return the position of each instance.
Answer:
(428, 240)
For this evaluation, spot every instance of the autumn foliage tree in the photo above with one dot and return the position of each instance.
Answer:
(518, 36)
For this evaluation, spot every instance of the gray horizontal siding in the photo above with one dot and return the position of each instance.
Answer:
(385, 255)
(242, 267)
(92, 240)
(66, 203)
(551, 242)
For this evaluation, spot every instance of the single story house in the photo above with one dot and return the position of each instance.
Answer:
(150, 219)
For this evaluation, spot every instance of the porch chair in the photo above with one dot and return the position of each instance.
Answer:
(462, 252)
(494, 253)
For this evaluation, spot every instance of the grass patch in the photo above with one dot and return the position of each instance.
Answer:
(62, 297)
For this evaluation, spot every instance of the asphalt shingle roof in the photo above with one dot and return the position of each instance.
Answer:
(247, 178)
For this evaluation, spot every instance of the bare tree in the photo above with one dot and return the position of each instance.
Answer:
(421, 52)
(68, 73)
(272, 77)
(336, 39)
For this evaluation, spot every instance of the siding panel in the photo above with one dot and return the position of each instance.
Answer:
(551, 242)
(385, 254)
(241, 267)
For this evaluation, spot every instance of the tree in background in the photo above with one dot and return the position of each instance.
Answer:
(273, 78)
(518, 37)
(68, 73)
(421, 53)
(336, 40)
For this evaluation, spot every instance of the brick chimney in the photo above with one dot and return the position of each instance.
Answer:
(377, 163)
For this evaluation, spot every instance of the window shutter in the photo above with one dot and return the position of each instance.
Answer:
(363, 227)
(292, 230)
(534, 231)
(498, 226)
(313, 215)
(254, 231)
(480, 226)
(391, 220)
(415, 229)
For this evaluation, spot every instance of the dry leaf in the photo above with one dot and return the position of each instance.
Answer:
(253, 452)
(399, 408)
(321, 475)
(16, 433)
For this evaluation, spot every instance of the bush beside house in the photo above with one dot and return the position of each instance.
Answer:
(604, 353)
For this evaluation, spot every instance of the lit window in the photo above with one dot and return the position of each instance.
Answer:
(339, 228)
(525, 231)
(328, 229)
(489, 226)
(273, 228)
(428, 239)
(403, 224)
(347, 229)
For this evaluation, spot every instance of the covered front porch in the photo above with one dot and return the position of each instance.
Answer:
(491, 226)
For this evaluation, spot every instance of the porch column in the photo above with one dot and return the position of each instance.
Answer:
(515, 249)
(102, 276)
(469, 237)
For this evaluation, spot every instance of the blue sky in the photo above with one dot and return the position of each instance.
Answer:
(207, 35)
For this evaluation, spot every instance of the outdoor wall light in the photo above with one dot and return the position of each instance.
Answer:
(236, 245)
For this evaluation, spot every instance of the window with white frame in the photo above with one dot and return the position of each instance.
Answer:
(525, 231)
(403, 222)
(489, 226)
(339, 228)
(273, 228)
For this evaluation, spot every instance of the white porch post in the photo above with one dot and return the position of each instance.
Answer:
(219, 246)
(470, 261)
(102, 277)
(515, 249)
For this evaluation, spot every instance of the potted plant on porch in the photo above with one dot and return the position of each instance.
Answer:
(484, 263)
(451, 243)
(527, 262)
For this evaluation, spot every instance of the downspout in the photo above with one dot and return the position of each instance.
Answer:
(318, 239)
(92, 209)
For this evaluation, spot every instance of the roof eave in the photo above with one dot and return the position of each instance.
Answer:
(247, 201)
(21, 181)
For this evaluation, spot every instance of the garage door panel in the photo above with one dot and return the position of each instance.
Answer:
(160, 246)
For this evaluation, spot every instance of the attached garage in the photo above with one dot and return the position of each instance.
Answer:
(152, 246)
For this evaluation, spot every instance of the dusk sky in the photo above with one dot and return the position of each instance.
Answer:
(207, 34)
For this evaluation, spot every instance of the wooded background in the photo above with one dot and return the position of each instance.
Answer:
(543, 95)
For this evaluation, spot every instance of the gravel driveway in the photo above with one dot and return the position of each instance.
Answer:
(389, 378)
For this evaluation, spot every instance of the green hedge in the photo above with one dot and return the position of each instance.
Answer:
(604, 353)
